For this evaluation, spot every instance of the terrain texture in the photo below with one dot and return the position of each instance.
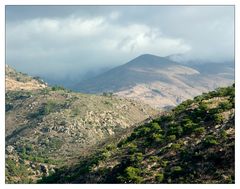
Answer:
(48, 126)
(193, 143)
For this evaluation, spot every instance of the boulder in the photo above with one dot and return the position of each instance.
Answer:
(44, 169)
(9, 149)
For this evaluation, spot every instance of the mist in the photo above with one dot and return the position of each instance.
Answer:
(66, 44)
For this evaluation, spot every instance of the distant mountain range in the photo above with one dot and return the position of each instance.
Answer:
(159, 81)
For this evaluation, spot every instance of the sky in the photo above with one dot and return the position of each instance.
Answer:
(75, 42)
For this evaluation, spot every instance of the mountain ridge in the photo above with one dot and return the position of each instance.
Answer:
(157, 81)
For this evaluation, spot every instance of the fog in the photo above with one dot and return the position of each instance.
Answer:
(66, 44)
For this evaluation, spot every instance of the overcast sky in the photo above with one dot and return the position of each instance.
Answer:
(62, 41)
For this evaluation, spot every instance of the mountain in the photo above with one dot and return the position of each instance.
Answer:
(47, 127)
(193, 143)
(159, 81)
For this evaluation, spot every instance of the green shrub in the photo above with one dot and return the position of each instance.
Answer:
(223, 134)
(57, 88)
(225, 105)
(171, 138)
(159, 177)
(156, 138)
(175, 129)
(164, 163)
(132, 148)
(136, 158)
(198, 98)
(176, 169)
(175, 146)
(155, 127)
(154, 158)
(199, 130)
(210, 140)
(189, 127)
(218, 118)
(131, 175)
(167, 118)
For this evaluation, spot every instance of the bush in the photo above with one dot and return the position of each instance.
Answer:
(155, 127)
(131, 175)
(136, 158)
(159, 177)
(226, 91)
(218, 118)
(57, 88)
(156, 138)
(174, 129)
(143, 131)
(164, 163)
(175, 146)
(132, 148)
(176, 169)
(223, 134)
(188, 126)
(199, 130)
(171, 137)
(225, 105)
(167, 118)
(210, 140)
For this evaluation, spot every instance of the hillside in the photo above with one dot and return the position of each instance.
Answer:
(159, 81)
(194, 143)
(47, 127)
(20, 81)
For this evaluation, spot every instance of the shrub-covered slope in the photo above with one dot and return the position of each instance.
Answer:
(48, 127)
(194, 143)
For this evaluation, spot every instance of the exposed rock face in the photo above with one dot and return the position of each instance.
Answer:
(9, 149)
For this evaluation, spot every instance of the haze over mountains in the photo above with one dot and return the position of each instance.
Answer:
(159, 81)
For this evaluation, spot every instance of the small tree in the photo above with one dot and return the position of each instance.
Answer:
(159, 177)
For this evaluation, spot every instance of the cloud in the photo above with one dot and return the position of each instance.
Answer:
(55, 41)
(60, 41)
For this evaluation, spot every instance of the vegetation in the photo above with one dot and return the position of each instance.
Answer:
(185, 145)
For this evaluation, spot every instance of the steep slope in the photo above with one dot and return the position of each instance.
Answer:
(194, 143)
(157, 81)
(48, 127)
(19, 81)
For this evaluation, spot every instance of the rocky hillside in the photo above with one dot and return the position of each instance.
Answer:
(49, 126)
(159, 81)
(194, 143)
(20, 81)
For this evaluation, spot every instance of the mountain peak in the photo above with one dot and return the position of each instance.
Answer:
(150, 60)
